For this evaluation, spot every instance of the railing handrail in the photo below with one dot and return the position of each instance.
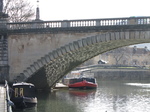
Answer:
(9, 108)
(79, 23)
(32, 22)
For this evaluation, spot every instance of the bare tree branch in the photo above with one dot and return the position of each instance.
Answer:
(18, 10)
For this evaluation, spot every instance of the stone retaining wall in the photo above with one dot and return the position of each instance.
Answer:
(123, 75)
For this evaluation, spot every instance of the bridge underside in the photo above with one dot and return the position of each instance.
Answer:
(52, 67)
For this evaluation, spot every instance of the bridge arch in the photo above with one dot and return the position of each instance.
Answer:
(45, 72)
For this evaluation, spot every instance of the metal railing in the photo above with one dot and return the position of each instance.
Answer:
(79, 23)
(9, 108)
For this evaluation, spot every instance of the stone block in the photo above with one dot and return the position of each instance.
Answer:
(43, 60)
(103, 38)
(93, 39)
(76, 45)
(89, 41)
(47, 58)
(132, 35)
(71, 47)
(29, 71)
(147, 34)
(80, 43)
(51, 56)
(84, 41)
(55, 54)
(137, 34)
(39, 63)
(36, 65)
(127, 35)
(67, 48)
(98, 38)
(59, 52)
(65, 23)
(107, 36)
(117, 35)
(112, 36)
(97, 22)
(63, 50)
(26, 74)
(122, 35)
(142, 35)
(33, 68)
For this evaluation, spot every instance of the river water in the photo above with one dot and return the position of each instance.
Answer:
(110, 96)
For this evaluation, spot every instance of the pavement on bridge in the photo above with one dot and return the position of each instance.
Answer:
(3, 105)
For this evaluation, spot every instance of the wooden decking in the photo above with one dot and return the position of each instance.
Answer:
(3, 105)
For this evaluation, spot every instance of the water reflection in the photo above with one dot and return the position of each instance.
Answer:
(34, 109)
(82, 93)
(110, 96)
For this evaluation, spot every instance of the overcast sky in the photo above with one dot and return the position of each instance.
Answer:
(89, 9)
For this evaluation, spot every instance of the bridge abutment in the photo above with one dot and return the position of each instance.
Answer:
(43, 52)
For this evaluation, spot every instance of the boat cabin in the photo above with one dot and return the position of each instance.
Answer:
(23, 95)
(76, 80)
(23, 90)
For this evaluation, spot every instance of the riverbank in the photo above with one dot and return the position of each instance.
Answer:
(122, 74)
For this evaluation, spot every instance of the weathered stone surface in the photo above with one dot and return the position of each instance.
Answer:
(94, 39)
(84, 41)
(127, 35)
(33, 68)
(26, 74)
(51, 56)
(80, 43)
(67, 48)
(108, 37)
(43, 60)
(71, 46)
(39, 62)
(117, 35)
(36, 65)
(63, 50)
(76, 45)
(29, 71)
(98, 38)
(57, 54)
(89, 40)
(47, 58)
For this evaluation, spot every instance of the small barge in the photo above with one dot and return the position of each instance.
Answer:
(23, 95)
(82, 83)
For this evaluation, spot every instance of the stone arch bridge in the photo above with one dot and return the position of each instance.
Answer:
(43, 52)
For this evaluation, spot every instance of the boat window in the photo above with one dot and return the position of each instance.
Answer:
(90, 80)
(21, 92)
(72, 81)
(16, 92)
(75, 80)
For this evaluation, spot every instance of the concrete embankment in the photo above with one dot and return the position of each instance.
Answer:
(122, 74)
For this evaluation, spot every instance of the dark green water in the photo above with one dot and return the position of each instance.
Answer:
(110, 96)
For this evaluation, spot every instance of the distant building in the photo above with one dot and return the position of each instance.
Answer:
(131, 56)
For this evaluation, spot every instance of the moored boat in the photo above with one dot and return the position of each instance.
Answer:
(23, 95)
(82, 83)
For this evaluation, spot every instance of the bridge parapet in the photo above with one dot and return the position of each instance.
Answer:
(80, 23)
